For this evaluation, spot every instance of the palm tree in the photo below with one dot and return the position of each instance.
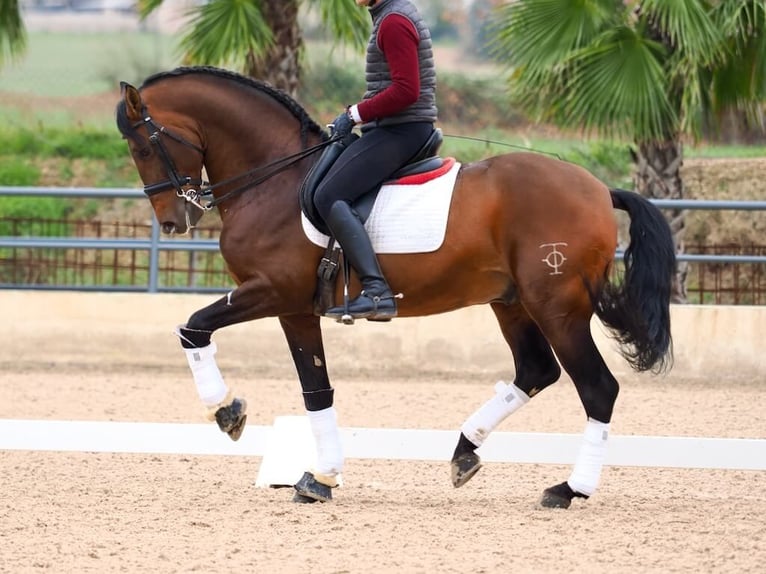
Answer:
(262, 38)
(652, 71)
(13, 39)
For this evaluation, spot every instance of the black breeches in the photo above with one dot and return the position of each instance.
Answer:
(369, 161)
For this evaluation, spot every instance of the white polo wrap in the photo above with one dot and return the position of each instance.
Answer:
(507, 400)
(324, 426)
(207, 377)
(590, 460)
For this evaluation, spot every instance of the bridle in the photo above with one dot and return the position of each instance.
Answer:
(202, 189)
(174, 181)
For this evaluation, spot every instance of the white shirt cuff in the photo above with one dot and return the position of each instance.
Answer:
(354, 110)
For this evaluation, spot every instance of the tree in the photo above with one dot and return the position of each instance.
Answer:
(653, 71)
(13, 38)
(262, 38)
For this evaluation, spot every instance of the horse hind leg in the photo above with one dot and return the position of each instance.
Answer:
(536, 368)
(598, 390)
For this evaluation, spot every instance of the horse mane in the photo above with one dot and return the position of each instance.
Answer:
(307, 123)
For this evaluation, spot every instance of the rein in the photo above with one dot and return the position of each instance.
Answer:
(273, 168)
(194, 196)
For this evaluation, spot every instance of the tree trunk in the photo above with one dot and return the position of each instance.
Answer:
(280, 65)
(658, 176)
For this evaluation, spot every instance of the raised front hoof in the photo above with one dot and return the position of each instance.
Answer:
(464, 467)
(231, 418)
(559, 496)
(308, 489)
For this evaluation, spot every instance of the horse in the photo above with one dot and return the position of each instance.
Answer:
(530, 235)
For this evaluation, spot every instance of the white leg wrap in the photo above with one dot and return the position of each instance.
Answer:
(324, 426)
(210, 386)
(590, 459)
(507, 400)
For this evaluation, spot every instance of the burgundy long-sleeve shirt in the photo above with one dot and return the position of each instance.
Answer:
(398, 40)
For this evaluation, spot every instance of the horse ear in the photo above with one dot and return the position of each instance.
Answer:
(133, 104)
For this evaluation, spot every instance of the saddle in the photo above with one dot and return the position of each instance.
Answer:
(425, 160)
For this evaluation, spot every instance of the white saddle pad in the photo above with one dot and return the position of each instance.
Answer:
(405, 218)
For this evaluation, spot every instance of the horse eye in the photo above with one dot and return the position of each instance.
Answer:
(144, 152)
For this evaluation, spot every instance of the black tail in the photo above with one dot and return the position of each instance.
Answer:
(637, 310)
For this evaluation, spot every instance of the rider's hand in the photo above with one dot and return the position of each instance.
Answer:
(343, 124)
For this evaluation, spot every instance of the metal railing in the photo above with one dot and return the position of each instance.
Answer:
(155, 245)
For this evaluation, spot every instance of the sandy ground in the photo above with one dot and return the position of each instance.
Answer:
(88, 512)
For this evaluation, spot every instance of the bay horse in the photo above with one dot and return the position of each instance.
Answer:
(533, 236)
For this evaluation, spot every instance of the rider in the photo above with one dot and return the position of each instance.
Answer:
(397, 114)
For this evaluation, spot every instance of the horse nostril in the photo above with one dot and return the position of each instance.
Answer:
(168, 227)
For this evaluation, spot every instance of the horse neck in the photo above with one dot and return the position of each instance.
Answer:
(252, 138)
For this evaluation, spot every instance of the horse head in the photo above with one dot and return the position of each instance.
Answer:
(169, 154)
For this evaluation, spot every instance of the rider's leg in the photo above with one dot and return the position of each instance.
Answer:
(364, 165)
(376, 299)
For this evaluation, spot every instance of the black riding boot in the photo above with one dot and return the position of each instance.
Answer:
(376, 300)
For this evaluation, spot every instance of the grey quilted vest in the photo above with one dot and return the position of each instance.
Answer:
(378, 75)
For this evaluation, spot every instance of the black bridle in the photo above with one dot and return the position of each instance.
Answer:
(204, 189)
(174, 180)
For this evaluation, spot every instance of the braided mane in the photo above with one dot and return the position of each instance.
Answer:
(307, 123)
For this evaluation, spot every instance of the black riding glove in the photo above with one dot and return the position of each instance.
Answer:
(343, 124)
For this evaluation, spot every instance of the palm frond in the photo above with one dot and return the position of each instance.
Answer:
(224, 32)
(13, 39)
(619, 87)
(146, 7)
(539, 32)
(688, 25)
(741, 81)
(346, 21)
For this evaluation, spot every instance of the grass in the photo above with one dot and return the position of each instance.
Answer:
(710, 151)
(65, 65)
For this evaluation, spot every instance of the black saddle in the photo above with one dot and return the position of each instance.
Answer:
(426, 159)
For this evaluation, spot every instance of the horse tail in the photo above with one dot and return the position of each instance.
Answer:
(637, 309)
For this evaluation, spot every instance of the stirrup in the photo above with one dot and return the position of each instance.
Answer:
(345, 313)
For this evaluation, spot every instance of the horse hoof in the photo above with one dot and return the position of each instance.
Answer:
(231, 418)
(309, 489)
(559, 496)
(300, 499)
(464, 467)
(553, 500)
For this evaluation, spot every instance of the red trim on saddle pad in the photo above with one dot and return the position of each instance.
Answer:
(418, 178)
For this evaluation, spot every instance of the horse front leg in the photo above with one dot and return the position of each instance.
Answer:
(304, 337)
(220, 402)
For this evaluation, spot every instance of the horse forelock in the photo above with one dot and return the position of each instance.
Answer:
(307, 123)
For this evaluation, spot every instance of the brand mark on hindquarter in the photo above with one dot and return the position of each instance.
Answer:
(555, 258)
